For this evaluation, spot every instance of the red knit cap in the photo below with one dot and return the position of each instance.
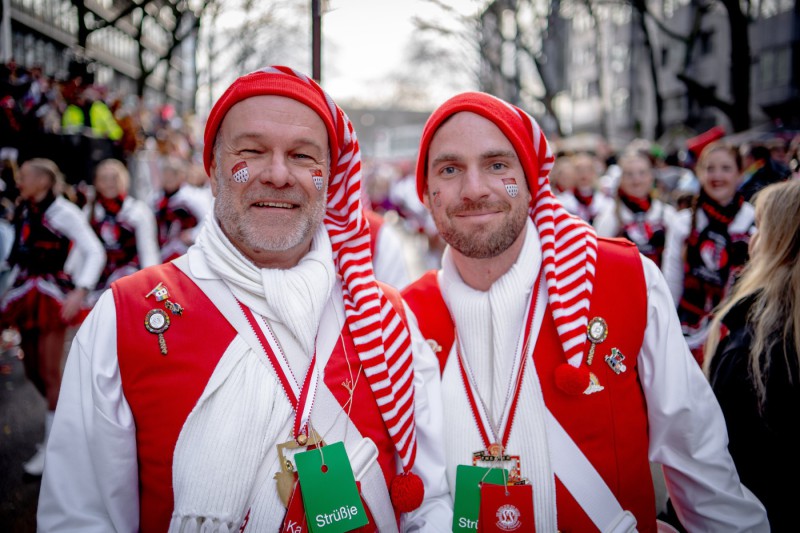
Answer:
(570, 272)
(380, 336)
(261, 83)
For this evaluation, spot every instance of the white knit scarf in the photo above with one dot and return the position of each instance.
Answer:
(294, 297)
(490, 354)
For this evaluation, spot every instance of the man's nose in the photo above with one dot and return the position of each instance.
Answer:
(276, 172)
(475, 185)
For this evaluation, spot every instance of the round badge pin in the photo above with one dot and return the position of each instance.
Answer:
(156, 321)
(597, 330)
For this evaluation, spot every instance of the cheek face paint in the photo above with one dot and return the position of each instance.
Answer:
(240, 173)
(511, 187)
(316, 175)
(437, 200)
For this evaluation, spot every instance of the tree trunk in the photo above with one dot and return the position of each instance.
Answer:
(740, 66)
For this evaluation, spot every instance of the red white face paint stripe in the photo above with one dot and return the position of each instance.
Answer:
(511, 187)
(240, 172)
(316, 175)
(490, 435)
(302, 399)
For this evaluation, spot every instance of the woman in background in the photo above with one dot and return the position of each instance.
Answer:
(752, 362)
(43, 299)
(635, 214)
(707, 244)
(126, 226)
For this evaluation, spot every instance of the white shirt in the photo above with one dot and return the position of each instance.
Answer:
(686, 427)
(90, 483)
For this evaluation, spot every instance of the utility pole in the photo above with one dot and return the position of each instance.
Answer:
(316, 40)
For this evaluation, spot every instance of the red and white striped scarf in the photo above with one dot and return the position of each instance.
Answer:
(380, 336)
(569, 245)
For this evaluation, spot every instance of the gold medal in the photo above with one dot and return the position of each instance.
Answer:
(285, 478)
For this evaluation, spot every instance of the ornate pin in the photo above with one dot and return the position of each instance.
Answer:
(316, 175)
(594, 384)
(157, 321)
(495, 454)
(615, 361)
(511, 187)
(240, 172)
(435, 346)
(175, 307)
(159, 291)
(597, 331)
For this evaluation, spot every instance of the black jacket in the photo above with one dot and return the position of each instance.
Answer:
(764, 446)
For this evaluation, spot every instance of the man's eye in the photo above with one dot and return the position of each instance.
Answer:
(448, 171)
(498, 166)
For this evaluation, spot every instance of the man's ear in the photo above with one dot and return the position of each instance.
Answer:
(426, 200)
(212, 175)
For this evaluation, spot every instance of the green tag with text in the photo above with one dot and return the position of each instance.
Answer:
(329, 490)
(466, 508)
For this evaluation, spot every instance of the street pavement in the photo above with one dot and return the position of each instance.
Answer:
(22, 411)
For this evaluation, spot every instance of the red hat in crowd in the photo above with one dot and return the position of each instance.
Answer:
(368, 312)
(569, 276)
(698, 142)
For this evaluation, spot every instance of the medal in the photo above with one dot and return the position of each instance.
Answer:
(157, 321)
(596, 331)
(287, 476)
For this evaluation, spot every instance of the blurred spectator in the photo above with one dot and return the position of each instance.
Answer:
(753, 368)
(562, 182)
(388, 252)
(707, 243)
(8, 197)
(43, 299)
(179, 209)
(760, 169)
(636, 214)
(126, 227)
(587, 187)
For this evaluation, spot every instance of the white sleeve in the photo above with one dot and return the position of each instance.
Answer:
(389, 261)
(198, 203)
(436, 512)
(688, 435)
(606, 223)
(677, 231)
(90, 482)
(143, 220)
(67, 219)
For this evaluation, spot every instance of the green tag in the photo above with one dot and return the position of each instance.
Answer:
(329, 490)
(468, 494)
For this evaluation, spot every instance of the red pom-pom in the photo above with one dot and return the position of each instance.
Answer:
(407, 492)
(572, 380)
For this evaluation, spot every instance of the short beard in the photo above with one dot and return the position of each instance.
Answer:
(234, 225)
(481, 244)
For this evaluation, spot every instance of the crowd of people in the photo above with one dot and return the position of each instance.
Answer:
(584, 315)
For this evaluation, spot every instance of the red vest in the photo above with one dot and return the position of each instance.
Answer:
(162, 390)
(609, 426)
